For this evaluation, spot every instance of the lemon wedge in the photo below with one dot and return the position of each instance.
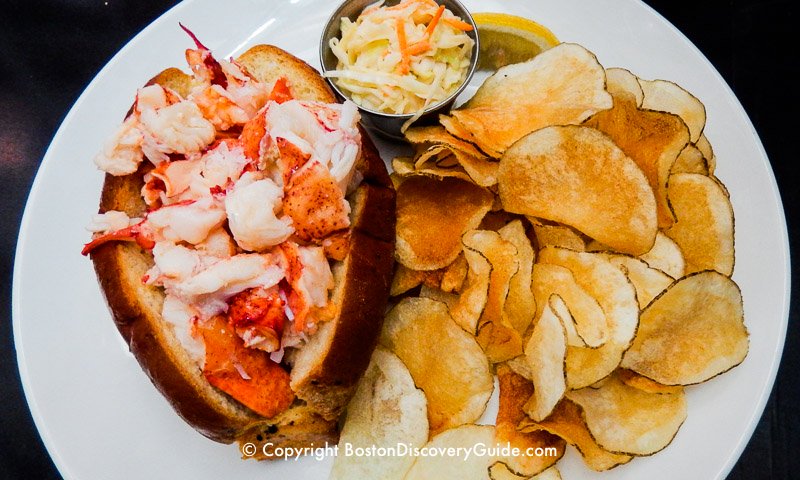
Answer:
(507, 39)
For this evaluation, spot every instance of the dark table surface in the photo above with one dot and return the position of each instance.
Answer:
(50, 50)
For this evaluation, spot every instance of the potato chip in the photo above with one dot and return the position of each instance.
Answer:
(704, 230)
(449, 299)
(664, 96)
(567, 422)
(616, 296)
(651, 139)
(514, 391)
(690, 333)
(546, 351)
(633, 379)
(445, 361)
(549, 234)
(588, 317)
(666, 256)
(577, 176)
(520, 306)
(621, 83)
(431, 217)
(386, 410)
(624, 419)
(561, 86)
(405, 279)
(482, 170)
(501, 471)
(648, 282)
(454, 275)
(704, 146)
(437, 135)
(496, 335)
(475, 293)
(451, 460)
(690, 160)
(436, 154)
(404, 166)
(561, 310)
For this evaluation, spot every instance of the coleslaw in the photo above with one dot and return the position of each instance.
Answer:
(402, 59)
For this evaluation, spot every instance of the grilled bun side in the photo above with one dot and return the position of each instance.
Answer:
(325, 371)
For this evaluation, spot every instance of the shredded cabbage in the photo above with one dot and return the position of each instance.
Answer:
(402, 59)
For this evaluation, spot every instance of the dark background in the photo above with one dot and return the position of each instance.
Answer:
(50, 50)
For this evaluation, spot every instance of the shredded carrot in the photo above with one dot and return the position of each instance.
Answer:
(401, 38)
(434, 21)
(459, 24)
(419, 47)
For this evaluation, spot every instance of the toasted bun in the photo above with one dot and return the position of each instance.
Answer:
(324, 372)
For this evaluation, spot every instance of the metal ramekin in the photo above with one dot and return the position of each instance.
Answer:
(389, 124)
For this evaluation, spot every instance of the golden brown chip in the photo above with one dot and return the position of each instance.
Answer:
(585, 313)
(445, 361)
(514, 391)
(495, 333)
(567, 422)
(481, 169)
(404, 166)
(577, 176)
(454, 275)
(405, 279)
(633, 379)
(690, 333)
(651, 139)
(386, 410)
(621, 83)
(437, 135)
(436, 153)
(624, 419)
(546, 352)
(616, 296)
(704, 230)
(666, 256)
(561, 86)
(690, 160)
(664, 96)
(454, 458)
(549, 234)
(648, 282)
(704, 146)
(475, 292)
(431, 217)
(520, 306)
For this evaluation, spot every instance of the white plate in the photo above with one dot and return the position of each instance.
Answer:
(99, 415)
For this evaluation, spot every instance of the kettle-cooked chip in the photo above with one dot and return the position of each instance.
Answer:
(546, 351)
(445, 361)
(561, 86)
(567, 422)
(651, 139)
(431, 217)
(387, 409)
(624, 419)
(445, 465)
(578, 176)
(550, 234)
(690, 160)
(666, 256)
(520, 305)
(692, 332)
(616, 296)
(704, 230)
(514, 391)
(622, 83)
(665, 96)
